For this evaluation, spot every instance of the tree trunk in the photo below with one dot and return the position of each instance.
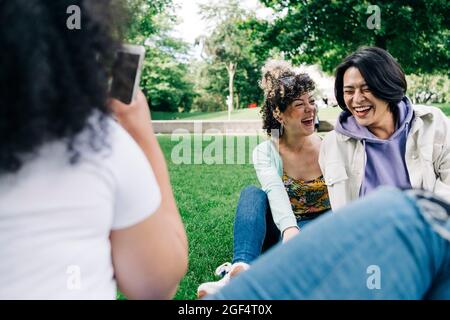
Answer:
(231, 68)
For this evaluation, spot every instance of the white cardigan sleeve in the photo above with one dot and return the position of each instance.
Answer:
(272, 185)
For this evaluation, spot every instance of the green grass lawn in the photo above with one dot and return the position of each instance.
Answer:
(207, 197)
(328, 114)
(242, 114)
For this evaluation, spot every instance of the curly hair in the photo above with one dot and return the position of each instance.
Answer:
(281, 86)
(52, 79)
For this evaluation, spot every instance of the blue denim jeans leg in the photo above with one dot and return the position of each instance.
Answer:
(251, 227)
(254, 231)
(379, 247)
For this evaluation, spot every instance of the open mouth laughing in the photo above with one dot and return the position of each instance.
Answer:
(362, 111)
(308, 121)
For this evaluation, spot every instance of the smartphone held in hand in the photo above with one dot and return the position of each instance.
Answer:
(127, 73)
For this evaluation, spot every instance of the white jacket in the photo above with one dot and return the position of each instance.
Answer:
(269, 170)
(427, 158)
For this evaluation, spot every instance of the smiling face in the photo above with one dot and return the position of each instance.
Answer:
(368, 110)
(298, 118)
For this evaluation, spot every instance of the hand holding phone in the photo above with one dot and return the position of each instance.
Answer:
(127, 73)
(134, 117)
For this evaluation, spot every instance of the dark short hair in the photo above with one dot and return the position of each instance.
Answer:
(383, 75)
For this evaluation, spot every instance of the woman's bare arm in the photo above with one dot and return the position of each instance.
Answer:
(149, 258)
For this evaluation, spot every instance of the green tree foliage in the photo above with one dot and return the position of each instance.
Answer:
(165, 79)
(428, 88)
(227, 42)
(416, 32)
(141, 17)
(233, 57)
(210, 85)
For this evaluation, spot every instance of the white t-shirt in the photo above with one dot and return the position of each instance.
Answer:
(56, 218)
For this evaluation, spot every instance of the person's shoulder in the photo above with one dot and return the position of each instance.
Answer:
(335, 143)
(265, 147)
(120, 148)
(266, 152)
(115, 129)
(119, 137)
(331, 137)
(106, 128)
(424, 111)
(432, 117)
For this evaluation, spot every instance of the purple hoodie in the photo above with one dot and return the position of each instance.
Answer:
(385, 159)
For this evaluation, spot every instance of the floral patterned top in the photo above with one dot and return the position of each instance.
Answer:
(308, 198)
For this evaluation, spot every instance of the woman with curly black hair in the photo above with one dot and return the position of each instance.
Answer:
(293, 189)
(84, 204)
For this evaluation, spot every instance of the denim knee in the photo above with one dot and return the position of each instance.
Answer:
(253, 192)
(252, 202)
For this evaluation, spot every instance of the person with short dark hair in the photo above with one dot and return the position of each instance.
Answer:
(381, 138)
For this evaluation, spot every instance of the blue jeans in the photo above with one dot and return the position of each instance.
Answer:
(379, 247)
(254, 229)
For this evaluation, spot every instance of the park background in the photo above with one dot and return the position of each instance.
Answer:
(203, 73)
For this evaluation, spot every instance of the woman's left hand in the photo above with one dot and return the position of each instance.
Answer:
(289, 233)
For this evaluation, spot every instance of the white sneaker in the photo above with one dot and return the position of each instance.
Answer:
(227, 271)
